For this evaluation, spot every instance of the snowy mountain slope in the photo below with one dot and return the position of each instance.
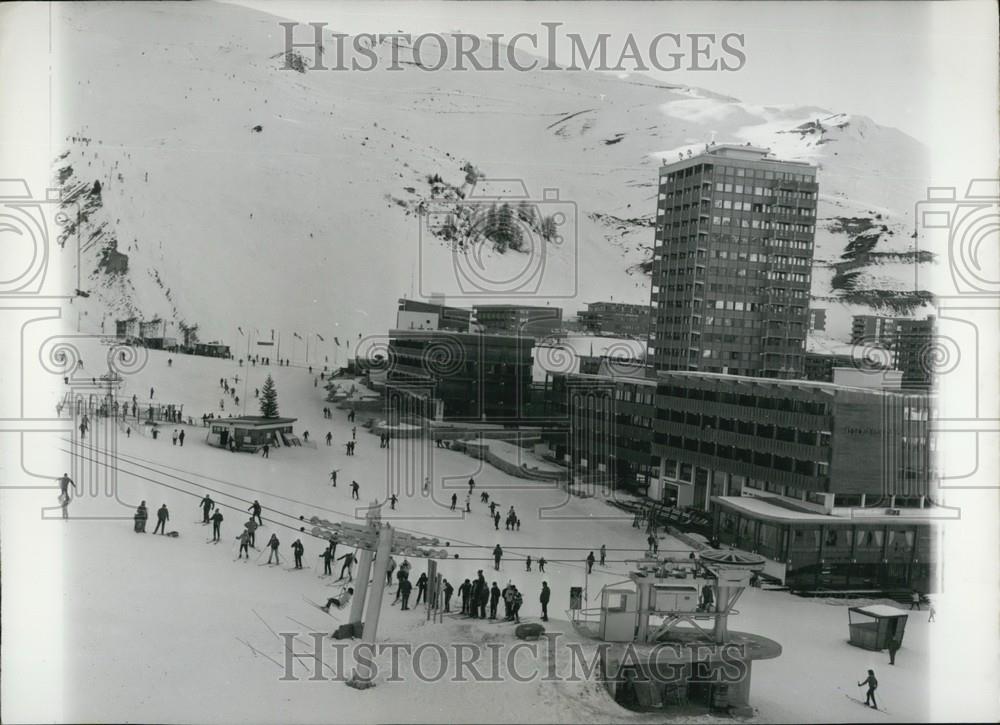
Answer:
(243, 194)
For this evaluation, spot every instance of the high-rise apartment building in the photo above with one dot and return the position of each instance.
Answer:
(732, 263)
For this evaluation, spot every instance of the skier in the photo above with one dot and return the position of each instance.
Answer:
(482, 594)
(216, 523)
(515, 607)
(348, 564)
(392, 505)
(251, 527)
(468, 503)
(427, 485)
(544, 599)
(140, 518)
(354, 490)
(389, 569)
(484, 497)
(64, 483)
(494, 600)
(354, 432)
(162, 517)
(872, 686)
(333, 476)
(915, 600)
(266, 451)
(454, 500)
(329, 437)
(244, 538)
(497, 554)
(496, 521)
(327, 557)
(273, 543)
(173, 437)
(150, 393)
(340, 601)
(590, 562)
(507, 595)
(421, 589)
(207, 504)
(464, 591)
(64, 503)
(405, 587)
(604, 554)
(541, 564)
(448, 590)
(255, 508)
(527, 563)
(180, 438)
(472, 485)
(297, 550)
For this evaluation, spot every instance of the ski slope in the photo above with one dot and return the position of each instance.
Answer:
(158, 629)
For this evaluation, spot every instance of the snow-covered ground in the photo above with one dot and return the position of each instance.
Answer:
(156, 629)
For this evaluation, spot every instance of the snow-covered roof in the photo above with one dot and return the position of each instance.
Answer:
(880, 610)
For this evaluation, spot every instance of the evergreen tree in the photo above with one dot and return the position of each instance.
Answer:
(269, 399)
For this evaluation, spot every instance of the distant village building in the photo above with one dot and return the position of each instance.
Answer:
(908, 341)
(212, 349)
(416, 315)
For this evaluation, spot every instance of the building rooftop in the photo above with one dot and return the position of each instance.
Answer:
(761, 507)
(831, 388)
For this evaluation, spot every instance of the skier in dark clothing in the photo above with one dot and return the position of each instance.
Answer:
(162, 517)
(454, 500)
(893, 645)
(298, 549)
(255, 509)
(481, 596)
(405, 588)
(544, 599)
(604, 554)
(496, 521)
(527, 563)
(392, 505)
(464, 591)
(541, 564)
(273, 543)
(216, 524)
(354, 490)
(421, 589)
(64, 483)
(590, 562)
(872, 686)
(266, 451)
(497, 555)
(207, 504)
(180, 438)
(327, 557)
(515, 608)
(448, 590)
(348, 563)
(494, 600)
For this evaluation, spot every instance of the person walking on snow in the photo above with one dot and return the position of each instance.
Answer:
(544, 599)
(216, 524)
(392, 505)
(329, 438)
(494, 600)
(255, 510)
(207, 504)
(180, 438)
(448, 591)
(389, 569)
(590, 562)
(496, 521)
(872, 686)
(162, 517)
(497, 555)
(454, 500)
(173, 437)
(541, 564)
(527, 563)
(297, 550)
(251, 527)
(915, 600)
(604, 554)
(405, 588)
(354, 490)
(333, 477)
(273, 545)
(468, 503)
(516, 601)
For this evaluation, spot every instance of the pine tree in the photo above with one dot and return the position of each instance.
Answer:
(269, 399)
